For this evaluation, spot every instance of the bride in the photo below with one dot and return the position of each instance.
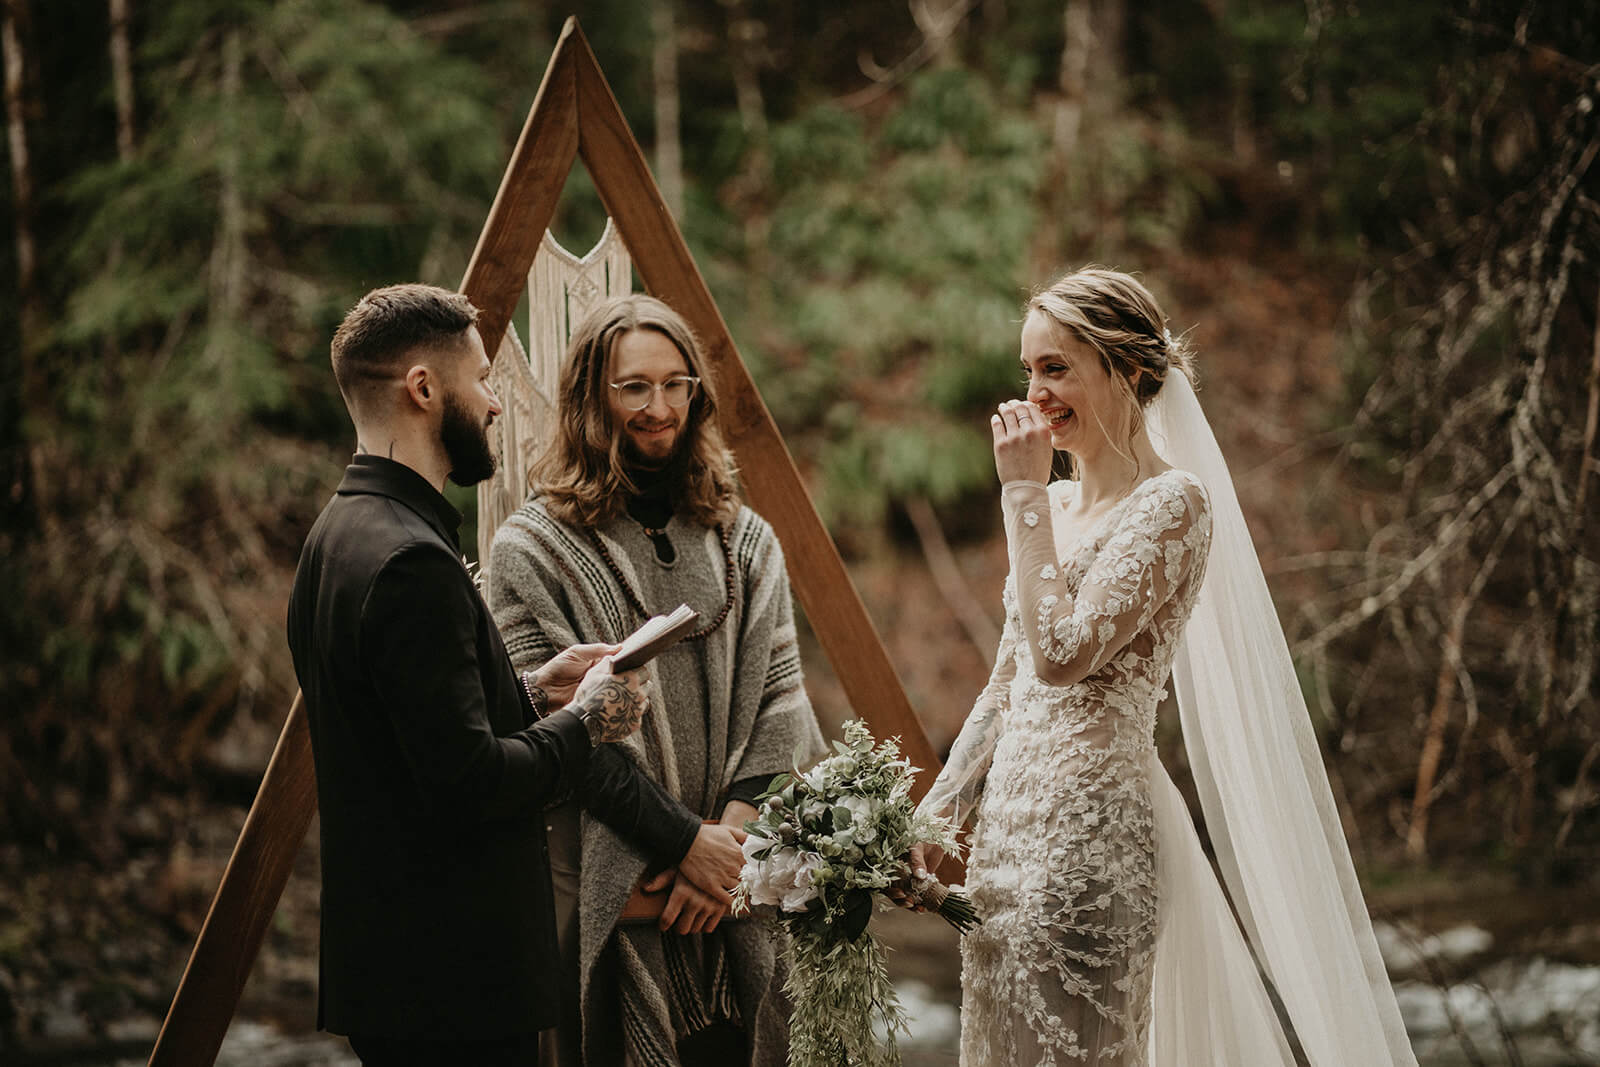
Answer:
(1106, 939)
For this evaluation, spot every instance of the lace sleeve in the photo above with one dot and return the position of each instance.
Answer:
(1161, 536)
(956, 791)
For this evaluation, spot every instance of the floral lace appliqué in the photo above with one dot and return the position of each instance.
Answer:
(1063, 852)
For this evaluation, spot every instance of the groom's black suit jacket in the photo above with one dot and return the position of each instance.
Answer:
(437, 919)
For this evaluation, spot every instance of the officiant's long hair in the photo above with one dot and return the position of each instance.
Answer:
(582, 474)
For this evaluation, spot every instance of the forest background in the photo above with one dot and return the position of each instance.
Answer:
(1379, 225)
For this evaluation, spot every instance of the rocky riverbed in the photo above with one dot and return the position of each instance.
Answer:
(1485, 973)
(1534, 1011)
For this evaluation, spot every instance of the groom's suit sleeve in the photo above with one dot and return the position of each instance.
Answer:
(418, 646)
(636, 807)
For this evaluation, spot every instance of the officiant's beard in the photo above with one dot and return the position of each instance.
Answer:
(466, 444)
(634, 458)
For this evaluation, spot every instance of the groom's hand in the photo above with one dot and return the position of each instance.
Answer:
(714, 861)
(611, 705)
(559, 678)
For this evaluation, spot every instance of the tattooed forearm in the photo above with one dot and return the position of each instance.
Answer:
(613, 709)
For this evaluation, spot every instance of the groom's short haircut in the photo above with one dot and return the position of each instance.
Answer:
(378, 337)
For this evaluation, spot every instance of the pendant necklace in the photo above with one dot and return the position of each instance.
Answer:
(666, 554)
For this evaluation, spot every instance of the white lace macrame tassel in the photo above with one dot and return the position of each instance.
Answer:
(562, 288)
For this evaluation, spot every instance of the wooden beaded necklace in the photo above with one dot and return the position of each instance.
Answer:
(638, 604)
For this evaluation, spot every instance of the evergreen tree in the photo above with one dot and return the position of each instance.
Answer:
(289, 155)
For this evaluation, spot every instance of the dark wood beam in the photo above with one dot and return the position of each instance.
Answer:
(208, 993)
(497, 274)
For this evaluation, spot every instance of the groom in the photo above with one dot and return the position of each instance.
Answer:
(433, 765)
(635, 512)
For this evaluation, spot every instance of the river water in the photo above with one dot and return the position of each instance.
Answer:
(1526, 1010)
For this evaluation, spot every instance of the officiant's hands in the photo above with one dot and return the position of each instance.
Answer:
(561, 677)
(1022, 449)
(714, 861)
(689, 910)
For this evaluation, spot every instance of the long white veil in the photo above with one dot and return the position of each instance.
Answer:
(1268, 808)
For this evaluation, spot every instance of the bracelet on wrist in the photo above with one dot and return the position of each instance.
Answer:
(536, 695)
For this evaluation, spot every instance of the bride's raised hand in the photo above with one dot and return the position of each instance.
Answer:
(1022, 449)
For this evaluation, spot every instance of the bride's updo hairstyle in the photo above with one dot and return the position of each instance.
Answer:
(1115, 314)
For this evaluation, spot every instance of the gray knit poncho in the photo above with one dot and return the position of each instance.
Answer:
(727, 707)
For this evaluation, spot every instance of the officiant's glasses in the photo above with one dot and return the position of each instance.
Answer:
(637, 394)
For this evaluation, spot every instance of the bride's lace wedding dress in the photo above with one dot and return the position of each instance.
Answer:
(1106, 939)
(1057, 758)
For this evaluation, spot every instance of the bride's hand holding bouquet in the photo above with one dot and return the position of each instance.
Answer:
(921, 889)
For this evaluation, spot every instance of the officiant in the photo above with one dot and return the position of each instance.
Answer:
(635, 510)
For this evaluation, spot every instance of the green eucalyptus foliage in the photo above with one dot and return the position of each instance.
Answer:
(826, 841)
(838, 989)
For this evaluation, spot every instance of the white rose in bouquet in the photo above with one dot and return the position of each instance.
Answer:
(764, 879)
(803, 888)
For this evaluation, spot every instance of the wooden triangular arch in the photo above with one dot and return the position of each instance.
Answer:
(574, 114)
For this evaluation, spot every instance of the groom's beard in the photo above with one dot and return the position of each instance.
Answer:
(466, 444)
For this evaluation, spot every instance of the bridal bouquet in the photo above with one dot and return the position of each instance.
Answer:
(824, 844)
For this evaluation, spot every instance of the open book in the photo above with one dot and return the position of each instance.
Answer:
(658, 634)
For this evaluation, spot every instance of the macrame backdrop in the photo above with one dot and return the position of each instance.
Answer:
(562, 288)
